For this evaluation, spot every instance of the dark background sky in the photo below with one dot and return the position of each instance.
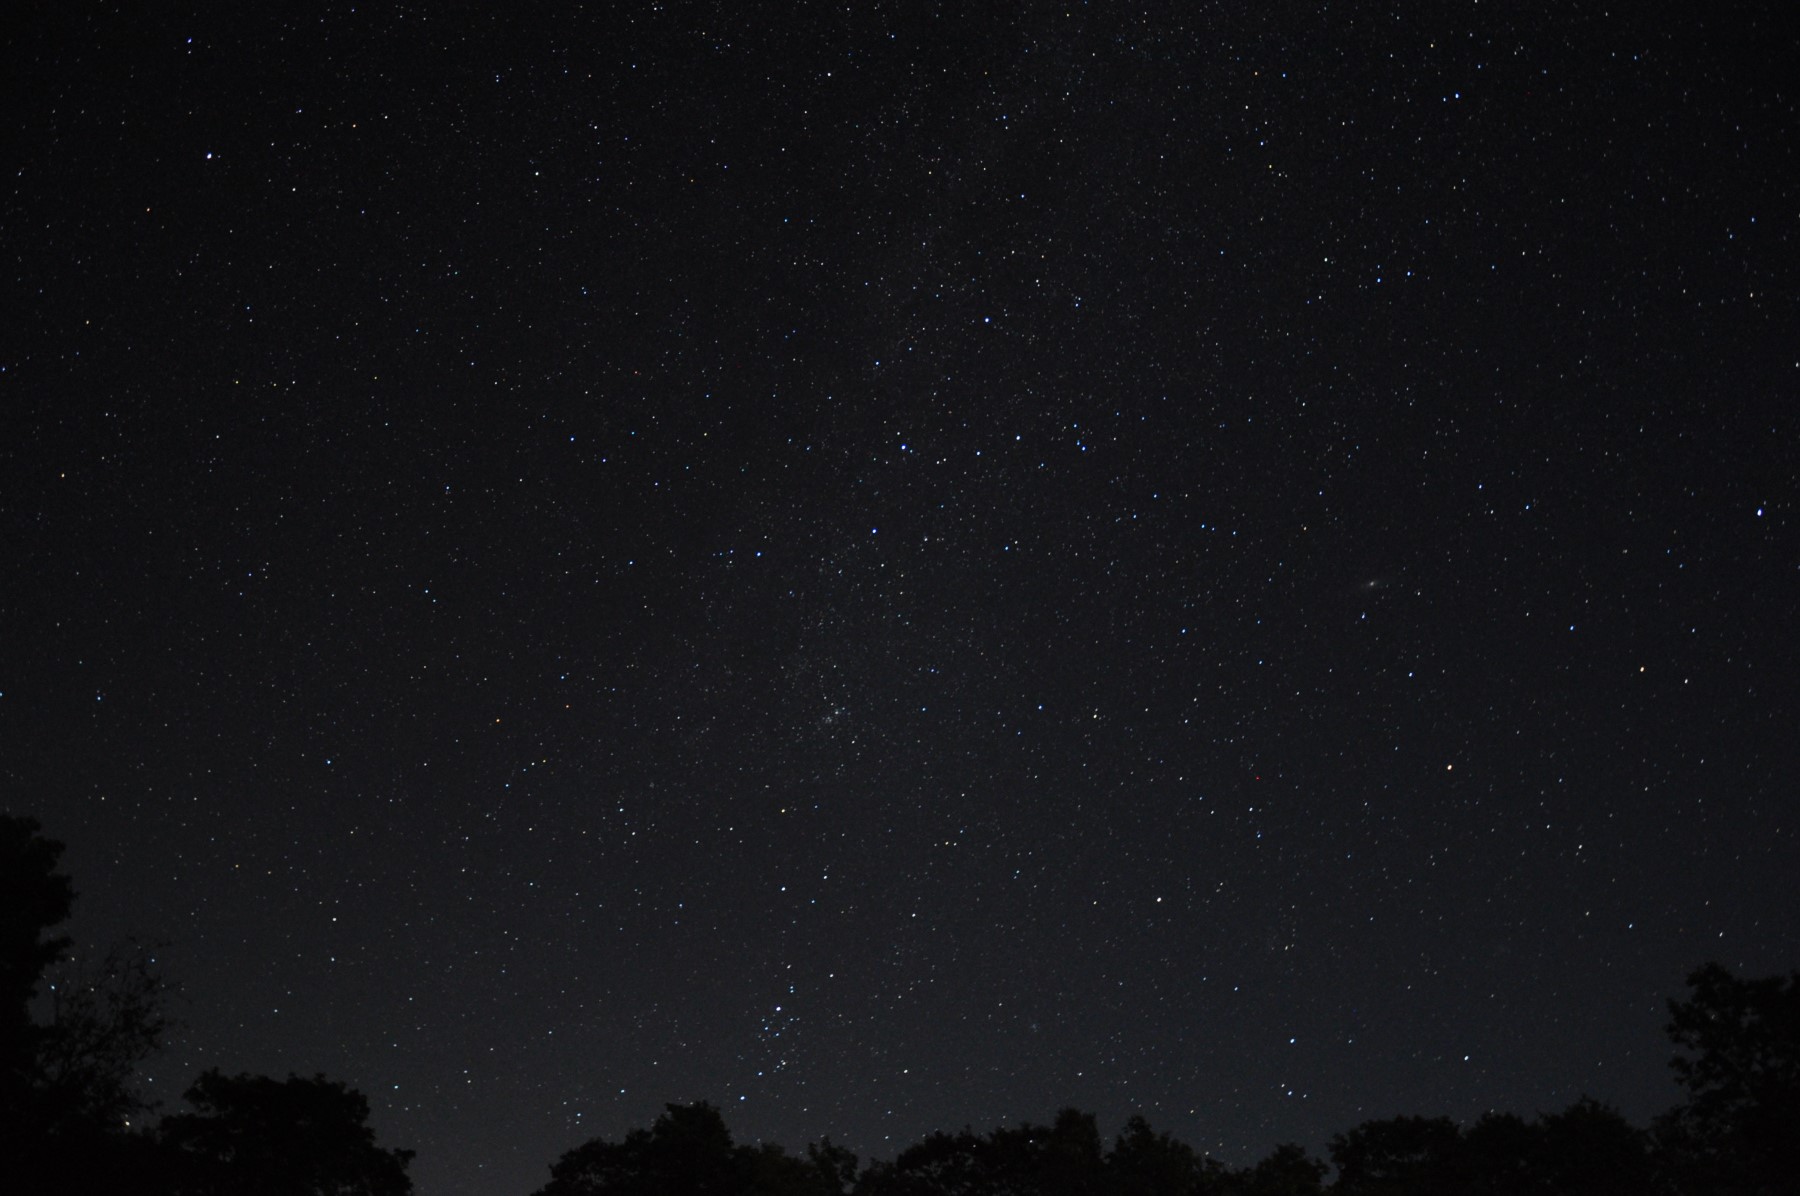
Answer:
(899, 567)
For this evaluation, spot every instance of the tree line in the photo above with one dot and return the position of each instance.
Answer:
(73, 1120)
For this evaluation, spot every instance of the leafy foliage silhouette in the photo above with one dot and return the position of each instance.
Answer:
(70, 1112)
(71, 1118)
(290, 1137)
(1739, 1130)
(689, 1151)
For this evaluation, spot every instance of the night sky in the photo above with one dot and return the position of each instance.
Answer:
(908, 566)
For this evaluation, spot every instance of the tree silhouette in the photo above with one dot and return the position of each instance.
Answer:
(1589, 1149)
(68, 1104)
(1066, 1158)
(835, 1165)
(1739, 1130)
(105, 1021)
(1498, 1156)
(689, 1152)
(290, 1137)
(1396, 1157)
(940, 1164)
(67, 1086)
(1287, 1171)
(34, 897)
(1143, 1160)
(1586, 1150)
(68, 1098)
